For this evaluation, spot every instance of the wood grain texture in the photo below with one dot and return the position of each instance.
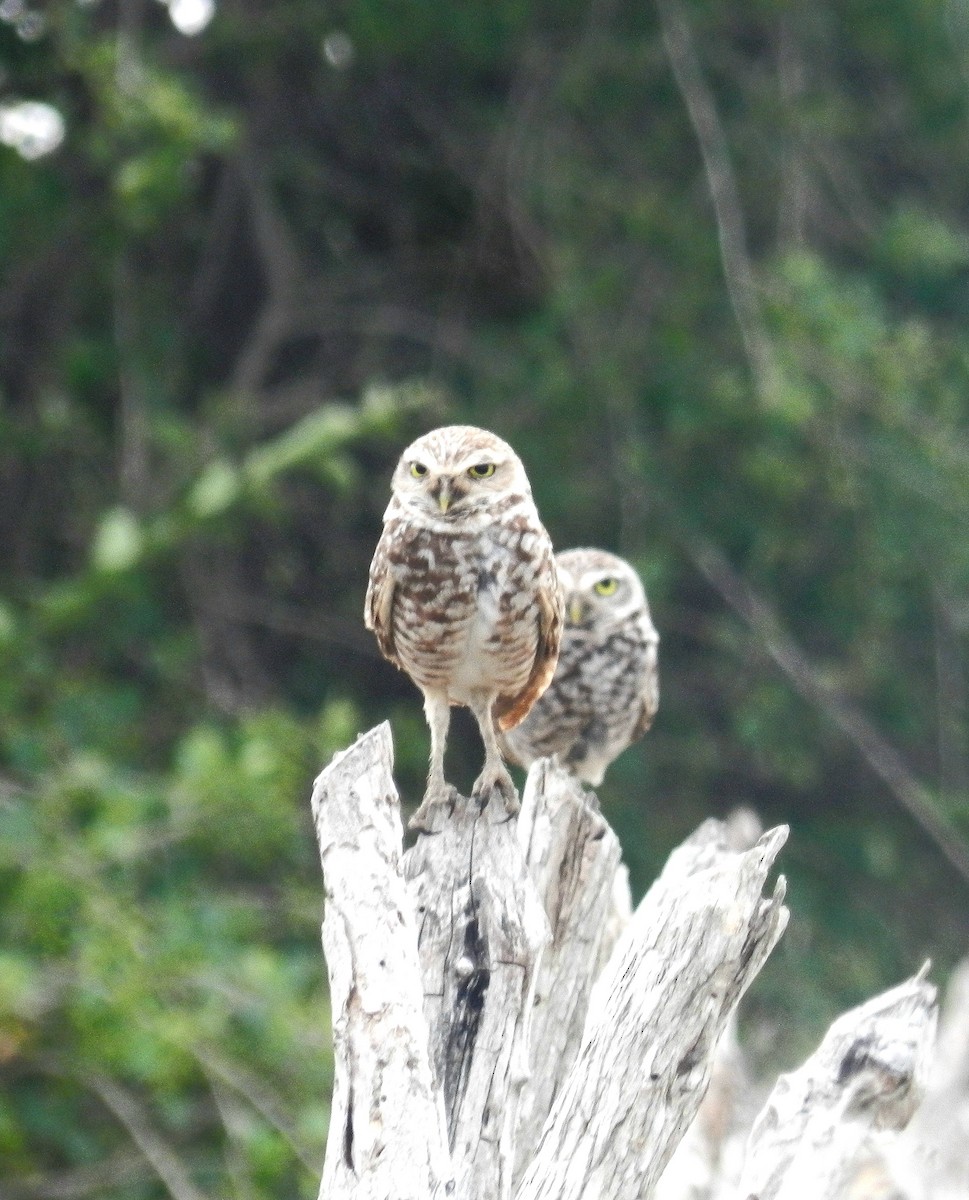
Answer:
(573, 858)
(482, 930)
(699, 937)
(387, 1134)
(821, 1132)
(504, 1027)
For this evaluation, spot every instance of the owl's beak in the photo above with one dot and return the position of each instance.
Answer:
(445, 494)
(576, 611)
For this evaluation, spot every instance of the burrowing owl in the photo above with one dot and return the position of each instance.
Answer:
(464, 594)
(605, 691)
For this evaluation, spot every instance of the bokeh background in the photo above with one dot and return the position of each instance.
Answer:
(705, 265)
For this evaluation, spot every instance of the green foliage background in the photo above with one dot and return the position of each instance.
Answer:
(706, 267)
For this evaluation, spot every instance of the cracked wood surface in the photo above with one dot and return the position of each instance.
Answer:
(482, 930)
(387, 1135)
(820, 1134)
(503, 1026)
(696, 941)
(574, 859)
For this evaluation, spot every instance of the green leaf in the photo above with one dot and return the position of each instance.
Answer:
(118, 542)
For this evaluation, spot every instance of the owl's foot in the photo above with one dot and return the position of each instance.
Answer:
(435, 808)
(495, 778)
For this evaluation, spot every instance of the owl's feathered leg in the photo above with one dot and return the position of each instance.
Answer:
(494, 774)
(438, 713)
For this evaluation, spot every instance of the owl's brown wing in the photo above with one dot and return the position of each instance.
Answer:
(510, 710)
(649, 693)
(378, 608)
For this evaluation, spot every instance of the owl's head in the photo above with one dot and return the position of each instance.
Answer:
(456, 469)
(601, 590)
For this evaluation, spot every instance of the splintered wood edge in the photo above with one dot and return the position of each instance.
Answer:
(387, 1134)
(699, 937)
(867, 1075)
(342, 792)
(483, 929)
(575, 859)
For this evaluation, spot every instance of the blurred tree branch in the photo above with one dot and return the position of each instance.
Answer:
(724, 193)
(124, 1166)
(882, 757)
(164, 1159)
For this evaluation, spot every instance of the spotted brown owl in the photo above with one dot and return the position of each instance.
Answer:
(605, 691)
(464, 594)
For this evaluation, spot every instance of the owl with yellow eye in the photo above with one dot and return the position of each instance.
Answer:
(464, 597)
(605, 690)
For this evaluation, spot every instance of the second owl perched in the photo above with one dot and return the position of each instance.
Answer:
(605, 691)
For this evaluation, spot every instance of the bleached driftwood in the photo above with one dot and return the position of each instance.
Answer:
(931, 1161)
(483, 1050)
(573, 858)
(821, 1133)
(481, 933)
(434, 989)
(387, 1135)
(829, 1131)
(441, 980)
(694, 944)
(706, 1164)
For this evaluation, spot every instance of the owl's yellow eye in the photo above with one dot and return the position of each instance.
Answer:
(418, 470)
(481, 470)
(606, 587)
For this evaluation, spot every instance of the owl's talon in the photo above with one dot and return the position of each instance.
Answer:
(491, 782)
(513, 804)
(435, 808)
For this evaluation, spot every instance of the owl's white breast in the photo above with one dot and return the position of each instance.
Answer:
(475, 667)
(465, 612)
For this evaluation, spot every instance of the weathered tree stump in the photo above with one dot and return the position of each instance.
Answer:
(481, 932)
(504, 1027)
(820, 1133)
(387, 1135)
(574, 861)
(698, 938)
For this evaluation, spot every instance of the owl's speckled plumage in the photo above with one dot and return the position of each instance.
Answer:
(464, 594)
(605, 691)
